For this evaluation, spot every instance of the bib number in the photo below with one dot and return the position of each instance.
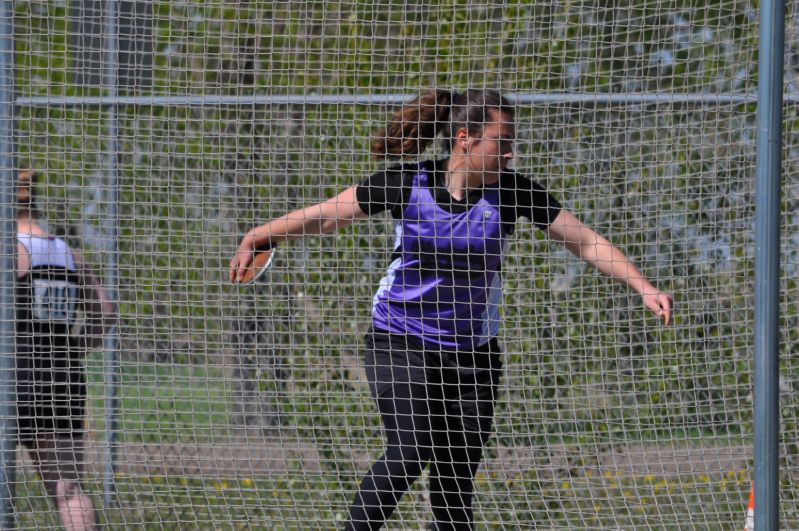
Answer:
(54, 301)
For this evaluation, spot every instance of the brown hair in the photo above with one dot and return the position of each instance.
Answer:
(412, 128)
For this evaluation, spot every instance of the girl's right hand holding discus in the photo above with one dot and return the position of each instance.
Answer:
(249, 262)
(241, 260)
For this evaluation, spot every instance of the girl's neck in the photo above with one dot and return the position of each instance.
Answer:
(28, 225)
(458, 180)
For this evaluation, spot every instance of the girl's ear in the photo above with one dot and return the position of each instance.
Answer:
(462, 138)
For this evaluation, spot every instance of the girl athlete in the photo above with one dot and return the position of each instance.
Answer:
(61, 312)
(432, 356)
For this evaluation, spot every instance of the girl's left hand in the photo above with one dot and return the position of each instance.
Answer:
(660, 303)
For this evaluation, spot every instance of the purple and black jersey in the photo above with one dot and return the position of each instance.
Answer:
(444, 284)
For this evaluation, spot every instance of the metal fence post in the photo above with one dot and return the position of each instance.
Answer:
(111, 245)
(767, 265)
(8, 266)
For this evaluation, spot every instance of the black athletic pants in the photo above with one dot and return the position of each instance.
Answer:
(438, 409)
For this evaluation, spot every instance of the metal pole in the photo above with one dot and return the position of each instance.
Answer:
(8, 267)
(111, 247)
(767, 265)
(176, 100)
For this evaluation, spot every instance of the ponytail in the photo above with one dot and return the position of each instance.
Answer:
(418, 122)
(414, 126)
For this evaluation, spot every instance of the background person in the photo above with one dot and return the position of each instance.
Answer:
(432, 356)
(61, 313)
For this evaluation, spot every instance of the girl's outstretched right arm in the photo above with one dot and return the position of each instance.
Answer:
(322, 218)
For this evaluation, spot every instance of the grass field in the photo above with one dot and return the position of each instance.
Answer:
(201, 473)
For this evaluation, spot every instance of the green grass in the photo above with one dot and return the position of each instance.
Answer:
(315, 501)
(162, 403)
(170, 404)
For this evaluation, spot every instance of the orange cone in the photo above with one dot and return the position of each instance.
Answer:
(750, 510)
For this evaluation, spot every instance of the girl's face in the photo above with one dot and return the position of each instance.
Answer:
(491, 150)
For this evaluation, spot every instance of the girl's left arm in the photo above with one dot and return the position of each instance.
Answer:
(582, 241)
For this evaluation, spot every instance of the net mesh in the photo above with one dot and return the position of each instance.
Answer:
(249, 405)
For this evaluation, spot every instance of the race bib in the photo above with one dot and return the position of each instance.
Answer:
(54, 301)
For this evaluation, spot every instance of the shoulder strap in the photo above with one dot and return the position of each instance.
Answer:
(409, 171)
